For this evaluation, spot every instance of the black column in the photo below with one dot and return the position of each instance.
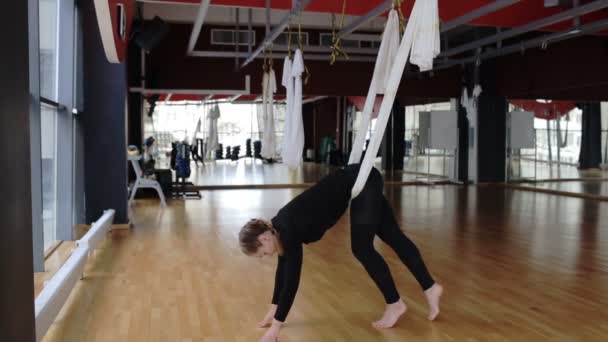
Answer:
(463, 145)
(135, 136)
(393, 142)
(591, 141)
(135, 102)
(105, 89)
(492, 110)
(16, 261)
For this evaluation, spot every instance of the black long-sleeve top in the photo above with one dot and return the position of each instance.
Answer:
(304, 220)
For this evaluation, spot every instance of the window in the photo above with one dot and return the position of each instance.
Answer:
(48, 48)
(228, 37)
(237, 123)
(282, 38)
(326, 40)
(48, 145)
(48, 28)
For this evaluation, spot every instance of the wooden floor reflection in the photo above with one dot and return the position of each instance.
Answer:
(597, 189)
(516, 265)
(544, 171)
(249, 172)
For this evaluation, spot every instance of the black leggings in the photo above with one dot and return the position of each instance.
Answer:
(370, 215)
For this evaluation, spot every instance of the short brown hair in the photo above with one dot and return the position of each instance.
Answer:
(248, 236)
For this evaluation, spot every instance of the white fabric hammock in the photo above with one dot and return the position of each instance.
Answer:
(470, 104)
(287, 82)
(269, 88)
(386, 56)
(197, 130)
(293, 139)
(213, 116)
(422, 37)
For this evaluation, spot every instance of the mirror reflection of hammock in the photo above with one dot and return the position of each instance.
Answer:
(564, 140)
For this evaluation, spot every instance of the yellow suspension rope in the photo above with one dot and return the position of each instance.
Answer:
(289, 40)
(335, 39)
(306, 72)
(398, 4)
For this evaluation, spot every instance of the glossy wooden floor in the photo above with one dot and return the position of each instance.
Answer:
(567, 179)
(516, 266)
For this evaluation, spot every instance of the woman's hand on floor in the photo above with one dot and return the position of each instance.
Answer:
(267, 321)
(272, 334)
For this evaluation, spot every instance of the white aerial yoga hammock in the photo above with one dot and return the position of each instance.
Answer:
(197, 130)
(213, 115)
(287, 82)
(269, 88)
(470, 104)
(293, 138)
(422, 38)
(384, 61)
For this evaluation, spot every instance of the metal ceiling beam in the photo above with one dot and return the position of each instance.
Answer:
(234, 98)
(249, 29)
(478, 13)
(588, 8)
(246, 91)
(237, 38)
(308, 56)
(532, 43)
(267, 17)
(314, 99)
(364, 19)
(327, 49)
(299, 6)
(385, 6)
(198, 24)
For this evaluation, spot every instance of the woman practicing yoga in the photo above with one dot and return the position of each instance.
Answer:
(308, 216)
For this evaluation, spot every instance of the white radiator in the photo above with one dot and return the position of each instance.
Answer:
(98, 231)
(56, 291)
(50, 301)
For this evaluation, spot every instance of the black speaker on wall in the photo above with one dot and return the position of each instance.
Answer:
(147, 34)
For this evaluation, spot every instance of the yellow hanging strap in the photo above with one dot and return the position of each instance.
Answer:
(264, 65)
(335, 39)
(300, 31)
(398, 4)
(270, 61)
(289, 40)
(306, 72)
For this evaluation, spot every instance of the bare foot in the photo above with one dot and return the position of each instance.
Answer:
(391, 315)
(433, 295)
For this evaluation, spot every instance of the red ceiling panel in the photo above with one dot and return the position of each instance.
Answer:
(547, 111)
(242, 98)
(181, 97)
(222, 97)
(514, 15)
(108, 20)
(247, 98)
